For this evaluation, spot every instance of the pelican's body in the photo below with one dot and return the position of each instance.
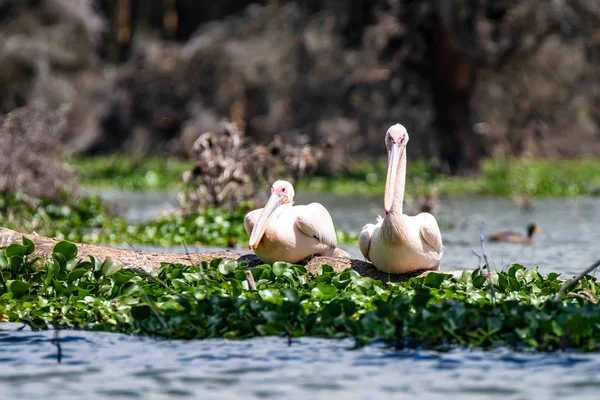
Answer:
(284, 232)
(399, 243)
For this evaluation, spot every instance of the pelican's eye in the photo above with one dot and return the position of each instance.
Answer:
(390, 141)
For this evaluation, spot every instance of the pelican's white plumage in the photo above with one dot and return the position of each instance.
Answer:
(399, 243)
(283, 232)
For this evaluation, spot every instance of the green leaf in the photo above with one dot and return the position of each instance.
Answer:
(269, 294)
(16, 250)
(325, 269)
(60, 260)
(324, 291)
(71, 264)
(478, 281)
(75, 274)
(30, 247)
(227, 267)
(67, 249)
(121, 277)
(3, 262)
(552, 276)
(434, 279)
(422, 296)
(214, 263)
(280, 267)
(512, 271)
(16, 263)
(364, 282)
(18, 288)
(503, 281)
(109, 267)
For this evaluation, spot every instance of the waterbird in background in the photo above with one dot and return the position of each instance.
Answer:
(283, 232)
(515, 237)
(399, 243)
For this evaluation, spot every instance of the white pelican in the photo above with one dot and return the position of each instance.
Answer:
(399, 243)
(283, 232)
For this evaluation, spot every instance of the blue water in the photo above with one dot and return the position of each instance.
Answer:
(102, 365)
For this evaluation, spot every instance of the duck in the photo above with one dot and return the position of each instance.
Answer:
(516, 237)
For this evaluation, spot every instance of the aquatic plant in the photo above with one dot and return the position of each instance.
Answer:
(86, 220)
(216, 300)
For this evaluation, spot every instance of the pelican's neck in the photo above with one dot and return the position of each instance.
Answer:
(397, 204)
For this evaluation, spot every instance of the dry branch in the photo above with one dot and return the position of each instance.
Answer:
(569, 284)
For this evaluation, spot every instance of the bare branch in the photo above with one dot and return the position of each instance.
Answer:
(250, 279)
(569, 284)
(487, 274)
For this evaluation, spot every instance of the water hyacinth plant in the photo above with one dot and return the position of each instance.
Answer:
(86, 220)
(215, 299)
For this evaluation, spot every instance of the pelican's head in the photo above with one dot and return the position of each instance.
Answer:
(396, 139)
(282, 192)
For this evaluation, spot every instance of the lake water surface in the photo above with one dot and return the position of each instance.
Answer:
(103, 365)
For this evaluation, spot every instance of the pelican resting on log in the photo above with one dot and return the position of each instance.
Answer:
(283, 232)
(400, 244)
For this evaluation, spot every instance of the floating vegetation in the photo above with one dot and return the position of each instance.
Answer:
(214, 300)
(86, 220)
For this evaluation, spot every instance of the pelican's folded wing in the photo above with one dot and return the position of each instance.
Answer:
(314, 221)
(430, 232)
(364, 240)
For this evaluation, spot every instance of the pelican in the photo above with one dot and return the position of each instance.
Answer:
(398, 243)
(283, 232)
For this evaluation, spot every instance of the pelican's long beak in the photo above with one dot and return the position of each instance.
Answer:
(390, 183)
(261, 225)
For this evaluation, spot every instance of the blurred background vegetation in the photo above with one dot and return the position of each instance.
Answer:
(218, 99)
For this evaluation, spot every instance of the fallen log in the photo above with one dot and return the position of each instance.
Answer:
(150, 261)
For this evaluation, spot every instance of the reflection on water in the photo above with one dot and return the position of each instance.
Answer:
(117, 366)
(568, 243)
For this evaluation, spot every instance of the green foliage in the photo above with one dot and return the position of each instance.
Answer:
(213, 300)
(86, 221)
(565, 178)
(501, 178)
(123, 172)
